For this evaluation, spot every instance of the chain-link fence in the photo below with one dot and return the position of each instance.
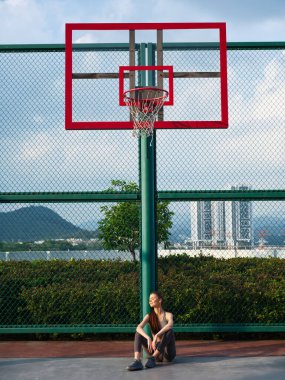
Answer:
(70, 201)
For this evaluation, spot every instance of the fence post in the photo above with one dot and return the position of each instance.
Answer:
(148, 209)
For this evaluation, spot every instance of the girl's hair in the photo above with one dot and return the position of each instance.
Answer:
(153, 319)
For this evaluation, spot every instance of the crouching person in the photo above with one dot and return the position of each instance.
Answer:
(161, 345)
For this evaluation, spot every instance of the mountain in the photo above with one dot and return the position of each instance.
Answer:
(41, 223)
(37, 223)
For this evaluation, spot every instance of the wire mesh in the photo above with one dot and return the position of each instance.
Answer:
(55, 270)
(195, 98)
(251, 150)
(225, 262)
(219, 262)
(94, 100)
(37, 153)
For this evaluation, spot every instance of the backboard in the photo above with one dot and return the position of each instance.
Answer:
(97, 74)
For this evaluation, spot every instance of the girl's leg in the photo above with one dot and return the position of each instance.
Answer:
(140, 342)
(167, 346)
(170, 350)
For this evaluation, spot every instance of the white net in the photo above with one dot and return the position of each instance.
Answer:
(145, 104)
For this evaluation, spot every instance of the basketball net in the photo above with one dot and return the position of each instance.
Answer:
(144, 104)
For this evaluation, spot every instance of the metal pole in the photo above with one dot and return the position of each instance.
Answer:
(148, 209)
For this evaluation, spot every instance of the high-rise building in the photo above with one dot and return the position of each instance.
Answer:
(201, 223)
(222, 224)
(242, 220)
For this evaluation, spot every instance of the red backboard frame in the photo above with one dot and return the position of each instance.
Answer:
(117, 125)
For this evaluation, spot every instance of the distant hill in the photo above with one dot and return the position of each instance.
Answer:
(41, 223)
(37, 223)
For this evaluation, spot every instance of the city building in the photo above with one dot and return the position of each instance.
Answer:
(222, 224)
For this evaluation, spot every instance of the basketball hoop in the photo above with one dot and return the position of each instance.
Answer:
(144, 104)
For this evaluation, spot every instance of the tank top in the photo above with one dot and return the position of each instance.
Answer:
(163, 322)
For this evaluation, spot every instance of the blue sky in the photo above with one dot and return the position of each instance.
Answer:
(42, 21)
(44, 156)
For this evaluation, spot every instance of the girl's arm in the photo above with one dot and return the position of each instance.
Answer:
(141, 331)
(140, 327)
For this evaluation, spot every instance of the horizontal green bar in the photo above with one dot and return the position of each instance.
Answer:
(256, 45)
(174, 196)
(198, 327)
(254, 195)
(67, 329)
(236, 327)
(67, 197)
(61, 47)
(166, 45)
(33, 47)
(230, 45)
(105, 46)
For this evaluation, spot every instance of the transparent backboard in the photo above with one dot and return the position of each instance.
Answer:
(193, 71)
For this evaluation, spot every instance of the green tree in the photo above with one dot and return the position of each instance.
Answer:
(120, 226)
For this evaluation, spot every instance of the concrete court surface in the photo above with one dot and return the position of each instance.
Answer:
(196, 360)
(194, 368)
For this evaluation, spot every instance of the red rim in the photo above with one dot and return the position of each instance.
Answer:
(126, 93)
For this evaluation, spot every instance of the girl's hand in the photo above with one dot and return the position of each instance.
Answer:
(154, 342)
(149, 344)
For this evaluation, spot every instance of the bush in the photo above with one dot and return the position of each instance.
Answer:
(209, 290)
(197, 290)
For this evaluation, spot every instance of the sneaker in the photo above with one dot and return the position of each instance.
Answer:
(150, 362)
(135, 366)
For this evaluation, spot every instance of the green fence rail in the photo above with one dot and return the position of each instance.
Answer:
(177, 196)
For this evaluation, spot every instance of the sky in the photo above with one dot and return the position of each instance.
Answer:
(48, 156)
(43, 21)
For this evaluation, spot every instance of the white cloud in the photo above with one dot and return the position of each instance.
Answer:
(263, 99)
(269, 99)
(87, 38)
(36, 148)
(37, 21)
(252, 149)
(61, 160)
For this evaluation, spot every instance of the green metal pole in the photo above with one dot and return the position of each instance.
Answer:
(148, 188)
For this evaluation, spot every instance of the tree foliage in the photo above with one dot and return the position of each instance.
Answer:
(120, 227)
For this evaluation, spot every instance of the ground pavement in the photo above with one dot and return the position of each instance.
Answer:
(106, 360)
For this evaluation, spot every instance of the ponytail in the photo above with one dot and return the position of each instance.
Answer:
(153, 318)
(154, 322)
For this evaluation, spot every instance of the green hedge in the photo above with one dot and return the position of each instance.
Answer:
(209, 290)
(197, 290)
(69, 292)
